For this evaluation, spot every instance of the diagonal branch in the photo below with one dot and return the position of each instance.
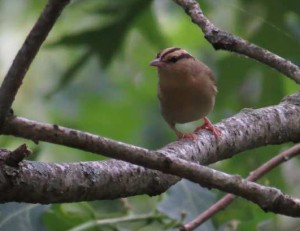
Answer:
(26, 54)
(223, 40)
(246, 130)
(253, 176)
(269, 199)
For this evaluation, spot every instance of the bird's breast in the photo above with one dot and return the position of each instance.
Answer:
(185, 103)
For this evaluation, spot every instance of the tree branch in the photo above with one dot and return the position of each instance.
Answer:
(223, 40)
(26, 54)
(38, 182)
(246, 130)
(253, 176)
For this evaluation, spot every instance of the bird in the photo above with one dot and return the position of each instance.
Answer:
(186, 90)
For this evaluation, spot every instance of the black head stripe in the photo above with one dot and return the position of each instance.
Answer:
(174, 59)
(185, 56)
(168, 52)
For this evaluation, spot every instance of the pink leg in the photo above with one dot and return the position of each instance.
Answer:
(209, 126)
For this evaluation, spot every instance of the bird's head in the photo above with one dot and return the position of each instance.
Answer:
(173, 60)
(170, 56)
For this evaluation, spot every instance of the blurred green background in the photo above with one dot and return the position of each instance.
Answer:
(93, 74)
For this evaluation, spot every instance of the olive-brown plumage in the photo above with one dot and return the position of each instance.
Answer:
(186, 89)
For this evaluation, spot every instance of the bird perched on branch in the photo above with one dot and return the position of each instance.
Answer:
(186, 90)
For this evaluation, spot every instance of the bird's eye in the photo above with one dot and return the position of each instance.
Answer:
(173, 60)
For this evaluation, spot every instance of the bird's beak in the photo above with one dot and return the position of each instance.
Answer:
(156, 62)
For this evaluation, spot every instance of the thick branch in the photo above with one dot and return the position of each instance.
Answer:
(26, 54)
(38, 182)
(223, 40)
(249, 129)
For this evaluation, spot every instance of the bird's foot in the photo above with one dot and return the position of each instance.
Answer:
(209, 126)
(190, 136)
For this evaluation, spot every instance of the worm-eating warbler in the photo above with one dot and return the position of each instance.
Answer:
(186, 90)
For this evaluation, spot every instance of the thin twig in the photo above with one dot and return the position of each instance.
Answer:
(131, 217)
(226, 41)
(26, 54)
(253, 176)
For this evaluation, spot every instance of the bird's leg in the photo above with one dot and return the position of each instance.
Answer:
(181, 135)
(209, 126)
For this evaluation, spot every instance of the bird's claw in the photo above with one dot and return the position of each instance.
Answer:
(191, 136)
(209, 126)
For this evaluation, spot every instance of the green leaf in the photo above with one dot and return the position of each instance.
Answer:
(188, 200)
(65, 216)
(104, 41)
(21, 216)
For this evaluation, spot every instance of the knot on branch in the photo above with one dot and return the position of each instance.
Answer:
(221, 39)
(13, 158)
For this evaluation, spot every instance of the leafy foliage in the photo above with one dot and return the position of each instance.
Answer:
(106, 40)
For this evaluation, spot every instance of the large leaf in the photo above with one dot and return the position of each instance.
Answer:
(104, 40)
(189, 200)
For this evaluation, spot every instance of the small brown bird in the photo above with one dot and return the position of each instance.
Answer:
(186, 90)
